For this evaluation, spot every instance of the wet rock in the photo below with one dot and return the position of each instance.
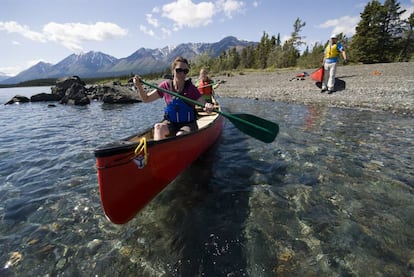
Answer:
(76, 95)
(117, 94)
(61, 263)
(45, 97)
(94, 245)
(411, 262)
(14, 259)
(63, 84)
(17, 99)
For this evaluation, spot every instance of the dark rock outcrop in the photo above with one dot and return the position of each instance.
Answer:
(63, 84)
(17, 99)
(118, 94)
(45, 97)
(76, 95)
(72, 90)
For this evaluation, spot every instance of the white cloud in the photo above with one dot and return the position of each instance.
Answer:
(10, 70)
(185, 13)
(151, 20)
(23, 30)
(70, 35)
(156, 10)
(230, 7)
(345, 25)
(166, 31)
(147, 31)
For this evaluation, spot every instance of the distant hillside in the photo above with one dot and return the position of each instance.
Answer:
(143, 61)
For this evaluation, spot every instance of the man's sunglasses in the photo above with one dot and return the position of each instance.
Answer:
(182, 70)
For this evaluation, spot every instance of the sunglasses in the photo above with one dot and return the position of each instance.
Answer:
(182, 70)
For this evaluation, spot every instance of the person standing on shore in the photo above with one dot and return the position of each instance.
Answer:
(330, 61)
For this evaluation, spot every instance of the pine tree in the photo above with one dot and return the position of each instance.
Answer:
(392, 30)
(407, 52)
(273, 59)
(247, 57)
(311, 58)
(262, 51)
(378, 36)
(290, 49)
(366, 41)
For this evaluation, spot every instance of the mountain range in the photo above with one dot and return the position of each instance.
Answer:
(143, 61)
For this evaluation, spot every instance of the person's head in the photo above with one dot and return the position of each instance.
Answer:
(180, 67)
(333, 38)
(203, 74)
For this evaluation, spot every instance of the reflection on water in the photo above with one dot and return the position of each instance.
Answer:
(331, 196)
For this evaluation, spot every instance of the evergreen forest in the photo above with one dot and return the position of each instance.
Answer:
(381, 36)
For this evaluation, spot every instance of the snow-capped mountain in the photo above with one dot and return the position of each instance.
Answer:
(142, 61)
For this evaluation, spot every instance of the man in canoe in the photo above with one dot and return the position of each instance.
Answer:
(180, 115)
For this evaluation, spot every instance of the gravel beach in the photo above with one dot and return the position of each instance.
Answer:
(387, 87)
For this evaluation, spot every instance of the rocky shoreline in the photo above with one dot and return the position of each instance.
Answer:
(387, 87)
(72, 90)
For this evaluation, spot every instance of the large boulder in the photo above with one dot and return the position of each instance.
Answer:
(63, 84)
(17, 99)
(76, 95)
(118, 94)
(45, 97)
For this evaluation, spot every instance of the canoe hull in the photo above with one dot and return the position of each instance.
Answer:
(126, 185)
(317, 75)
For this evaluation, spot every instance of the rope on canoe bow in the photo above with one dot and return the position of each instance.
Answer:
(142, 147)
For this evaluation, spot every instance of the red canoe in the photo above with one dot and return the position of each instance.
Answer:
(132, 171)
(317, 75)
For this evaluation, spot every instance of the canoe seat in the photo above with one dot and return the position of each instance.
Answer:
(205, 119)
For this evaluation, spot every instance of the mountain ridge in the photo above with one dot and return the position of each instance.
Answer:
(142, 61)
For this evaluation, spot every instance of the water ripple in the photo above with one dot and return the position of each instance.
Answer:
(332, 195)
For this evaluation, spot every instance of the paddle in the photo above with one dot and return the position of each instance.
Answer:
(251, 125)
(212, 84)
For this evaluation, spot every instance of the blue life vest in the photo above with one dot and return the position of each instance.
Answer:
(178, 111)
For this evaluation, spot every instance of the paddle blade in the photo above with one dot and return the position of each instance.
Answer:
(254, 126)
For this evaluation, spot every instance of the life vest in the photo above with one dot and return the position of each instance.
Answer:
(205, 87)
(179, 111)
(331, 51)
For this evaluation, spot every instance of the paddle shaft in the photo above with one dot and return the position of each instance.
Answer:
(256, 127)
(228, 115)
(210, 85)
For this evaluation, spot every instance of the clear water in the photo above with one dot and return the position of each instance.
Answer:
(333, 195)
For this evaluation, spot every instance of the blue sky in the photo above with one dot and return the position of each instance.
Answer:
(51, 30)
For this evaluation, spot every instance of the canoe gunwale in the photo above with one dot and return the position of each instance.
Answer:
(127, 144)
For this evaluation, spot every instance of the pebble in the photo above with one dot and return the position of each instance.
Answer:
(391, 91)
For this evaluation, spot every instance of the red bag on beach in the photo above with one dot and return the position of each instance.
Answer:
(318, 75)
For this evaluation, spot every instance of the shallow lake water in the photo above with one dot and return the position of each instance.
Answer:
(333, 195)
